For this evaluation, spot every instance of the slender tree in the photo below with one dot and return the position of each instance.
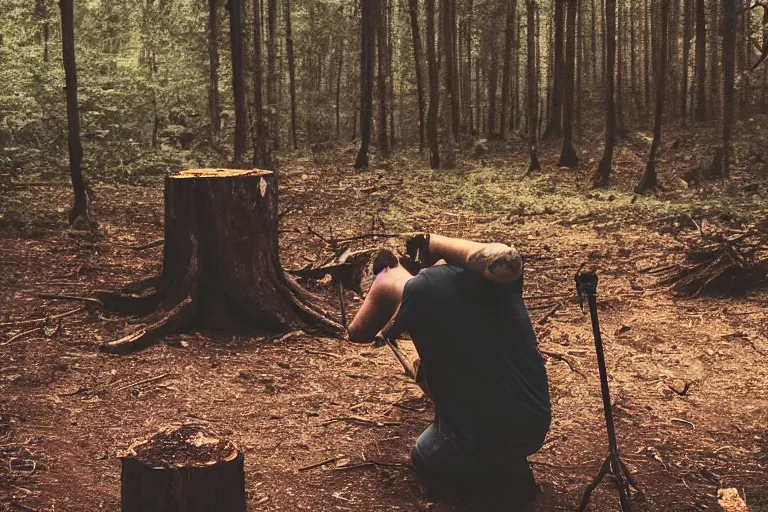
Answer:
(413, 7)
(729, 62)
(41, 12)
(447, 28)
(532, 88)
(291, 68)
(434, 90)
(604, 168)
(78, 216)
(261, 156)
(274, 131)
(649, 179)
(714, 72)
(568, 156)
(214, 108)
(390, 14)
(509, 38)
(555, 126)
(493, 80)
(453, 86)
(338, 88)
(381, 44)
(367, 43)
(701, 61)
(687, 30)
(238, 85)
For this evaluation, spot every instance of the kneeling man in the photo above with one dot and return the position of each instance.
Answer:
(480, 363)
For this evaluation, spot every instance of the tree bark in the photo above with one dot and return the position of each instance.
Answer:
(593, 41)
(274, 122)
(532, 88)
(649, 179)
(648, 39)
(261, 155)
(493, 80)
(338, 89)
(221, 268)
(367, 44)
(604, 168)
(214, 109)
(509, 37)
(453, 61)
(434, 89)
(79, 215)
(390, 11)
(714, 75)
(621, 121)
(568, 156)
(238, 84)
(291, 69)
(381, 45)
(729, 62)
(413, 7)
(701, 61)
(555, 127)
(469, 117)
(687, 29)
(41, 13)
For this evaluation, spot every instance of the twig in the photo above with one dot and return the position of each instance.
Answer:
(321, 353)
(550, 296)
(88, 300)
(318, 464)
(311, 231)
(145, 381)
(566, 359)
(150, 245)
(368, 463)
(549, 313)
(367, 235)
(360, 419)
(685, 422)
(21, 506)
(14, 338)
(286, 336)
(43, 319)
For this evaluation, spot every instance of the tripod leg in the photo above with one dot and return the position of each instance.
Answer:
(627, 474)
(599, 478)
(621, 483)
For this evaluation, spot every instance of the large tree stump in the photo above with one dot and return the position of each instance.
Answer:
(221, 268)
(183, 469)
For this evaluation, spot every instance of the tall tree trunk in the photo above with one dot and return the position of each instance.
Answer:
(568, 156)
(338, 89)
(453, 60)
(367, 44)
(649, 179)
(532, 87)
(390, 73)
(41, 12)
(434, 89)
(728, 102)
(381, 45)
(621, 122)
(687, 29)
(555, 126)
(446, 30)
(469, 117)
(478, 96)
(647, 55)
(604, 169)
(413, 7)
(79, 213)
(714, 72)
(291, 69)
(581, 66)
(672, 55)
(593, 42)
(261, 157)
(701, 61)
(214, 110)
(238, 85)
(633, 56)
(493, 80)
(509, 37)
(274, 124)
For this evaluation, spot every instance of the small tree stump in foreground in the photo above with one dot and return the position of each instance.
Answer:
(221, 268)
(183, 469)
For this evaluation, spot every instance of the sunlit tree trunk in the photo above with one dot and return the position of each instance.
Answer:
(274, 122)
(554, 126)
(493, 79)
(238, 85)
(604, 169)
(714, 43)
(728, 102)
(381, 45)
(649, 179)
(434, 89)
(687, 29)
(78, 216)
(413, 7)
(701, 61)
(367, 44)
(532, 87)
(291, 69)
(214, 110)
(568, 156)
(261, 157)
(509, 38)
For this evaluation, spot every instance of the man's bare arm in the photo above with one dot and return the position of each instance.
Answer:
(377, 310)
(497, 262)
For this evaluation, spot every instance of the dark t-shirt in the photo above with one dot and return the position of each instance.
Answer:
(479, 354)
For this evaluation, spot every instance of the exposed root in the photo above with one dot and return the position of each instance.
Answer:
(175, 320)
(717, 265)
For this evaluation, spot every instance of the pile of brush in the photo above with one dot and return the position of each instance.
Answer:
(721, 265)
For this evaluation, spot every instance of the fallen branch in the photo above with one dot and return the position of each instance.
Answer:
(360, 419)
(369, 464)
(142, 382)
(549, 313)
(319, 464)
(43, 319)
(566, 359)
(150, 245)
(88, 300)
(21, 334)
(321, 353)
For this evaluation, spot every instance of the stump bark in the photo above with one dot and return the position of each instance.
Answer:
(183, 470)
(221, 268)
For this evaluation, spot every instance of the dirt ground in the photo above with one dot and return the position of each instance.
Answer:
(688, 376)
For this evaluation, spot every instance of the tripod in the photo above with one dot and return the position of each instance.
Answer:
(586, 284)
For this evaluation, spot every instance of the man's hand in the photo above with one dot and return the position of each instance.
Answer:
(417, 249)
(497, 262)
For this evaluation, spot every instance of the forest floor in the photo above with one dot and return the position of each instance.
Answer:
(688, 376)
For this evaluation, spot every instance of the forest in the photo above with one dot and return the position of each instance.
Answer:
(193, 195)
